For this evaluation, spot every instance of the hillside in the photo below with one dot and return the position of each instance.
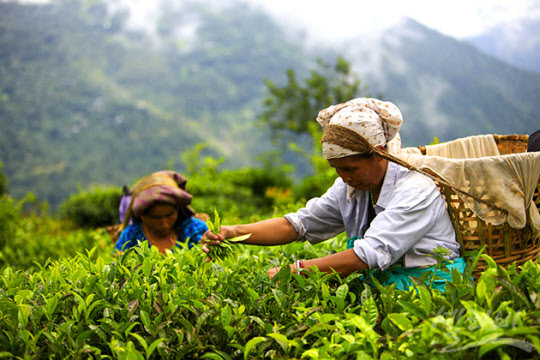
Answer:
(448, 88)
(85, 101)
(515, 43)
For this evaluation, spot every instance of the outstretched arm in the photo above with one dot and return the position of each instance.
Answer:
(270, 232)
(344, 263)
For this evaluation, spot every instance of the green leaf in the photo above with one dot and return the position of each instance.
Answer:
(251, 344)
(319, 327)
(425, 299)
(341, 292)
(239, 238)
(401, 321)
(226, 315)
(147, 266)
(132, 306)
(367, 330)
(413, 309)
(370, 312)
(212, 355)
(510, 286)
(280, 339)
(153, 346)
(146, 321)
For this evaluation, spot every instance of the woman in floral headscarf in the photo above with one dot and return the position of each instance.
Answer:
(161, 214)
(392, 215)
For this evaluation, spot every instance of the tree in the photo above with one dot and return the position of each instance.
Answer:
(3, 181)
(291, 108)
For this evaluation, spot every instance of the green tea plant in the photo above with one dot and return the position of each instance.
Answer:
(92, 208)
(144, 305)
(28, 240)
(226, 247)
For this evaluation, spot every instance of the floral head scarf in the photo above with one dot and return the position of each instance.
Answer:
(375, 120)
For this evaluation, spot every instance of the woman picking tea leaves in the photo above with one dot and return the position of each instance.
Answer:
(391, 215)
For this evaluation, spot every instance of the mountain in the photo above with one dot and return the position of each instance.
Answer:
(517, 43)
(447, 88)
(85, 100)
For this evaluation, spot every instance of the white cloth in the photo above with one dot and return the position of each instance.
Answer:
(465, 148)
(411, 220)
(411, 151)
(507, 181)
(375, 120)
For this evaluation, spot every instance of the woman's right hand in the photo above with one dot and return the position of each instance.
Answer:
(211, 239)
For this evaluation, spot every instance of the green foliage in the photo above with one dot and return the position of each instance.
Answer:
(102, 306)
(10, 217)
(93, 208)
(292, 107)
(226, 247)
(107, 105)
(3, 181)
(247, 193)
(29, 240)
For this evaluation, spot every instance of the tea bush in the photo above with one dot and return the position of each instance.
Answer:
(3, 181)
(142, 305)
(28, 240)
(92, 208)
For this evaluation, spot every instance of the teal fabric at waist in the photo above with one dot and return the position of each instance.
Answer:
(402, 276)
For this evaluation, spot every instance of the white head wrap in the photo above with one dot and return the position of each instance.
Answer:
(375, 120)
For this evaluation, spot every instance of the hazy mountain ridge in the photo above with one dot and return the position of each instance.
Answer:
(514, 43)
(83, 102)
(451, 89)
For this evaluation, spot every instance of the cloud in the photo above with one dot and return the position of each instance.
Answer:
(345, 18)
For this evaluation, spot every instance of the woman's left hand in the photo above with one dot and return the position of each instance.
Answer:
(273, 271)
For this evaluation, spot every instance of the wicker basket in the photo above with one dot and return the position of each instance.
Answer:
(504, 244)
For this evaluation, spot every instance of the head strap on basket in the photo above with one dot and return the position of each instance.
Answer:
(349, 139)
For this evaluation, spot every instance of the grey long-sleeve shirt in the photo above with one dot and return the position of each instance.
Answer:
(411, 220)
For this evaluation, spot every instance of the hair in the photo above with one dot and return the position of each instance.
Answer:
(350, 139)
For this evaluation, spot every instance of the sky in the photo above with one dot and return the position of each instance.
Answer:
(456, 18)
(347, 18)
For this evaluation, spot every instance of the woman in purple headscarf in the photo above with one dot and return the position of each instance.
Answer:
(161, 214)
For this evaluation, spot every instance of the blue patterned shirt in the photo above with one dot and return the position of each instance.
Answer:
(190, 231)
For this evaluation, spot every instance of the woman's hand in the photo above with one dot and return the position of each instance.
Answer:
(273, 271)
(211, 239)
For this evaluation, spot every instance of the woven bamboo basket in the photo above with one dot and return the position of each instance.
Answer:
(504, 244)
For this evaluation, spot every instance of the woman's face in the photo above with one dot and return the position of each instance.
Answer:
(160, 219)
(362, 173)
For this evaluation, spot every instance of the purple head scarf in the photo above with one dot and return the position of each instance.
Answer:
(161, 187)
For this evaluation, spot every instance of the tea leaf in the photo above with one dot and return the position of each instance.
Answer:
(251, 344)
(413, 309)
(401, 321)
(510, 286)
(132, 306)
(226, 315)
(280, 339)
(370, 312)
(341, 292)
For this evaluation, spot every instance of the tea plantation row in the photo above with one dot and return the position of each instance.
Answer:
(142, 305)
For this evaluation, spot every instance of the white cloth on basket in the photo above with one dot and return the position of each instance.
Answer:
(507, 181)
(465, 148)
